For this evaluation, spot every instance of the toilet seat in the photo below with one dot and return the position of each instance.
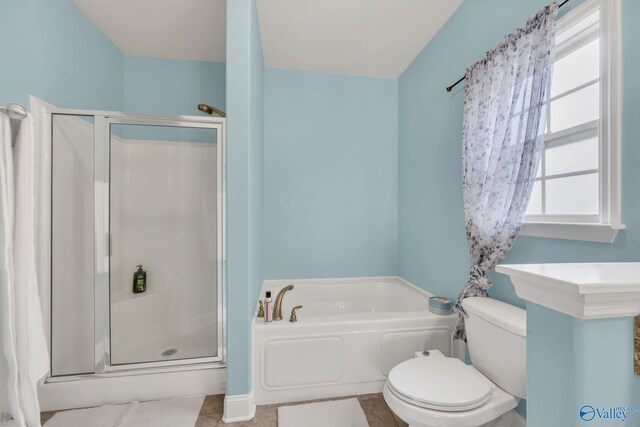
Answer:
(440, 383)
(500, 404)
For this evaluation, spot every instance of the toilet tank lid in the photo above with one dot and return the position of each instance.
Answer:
(501, 314)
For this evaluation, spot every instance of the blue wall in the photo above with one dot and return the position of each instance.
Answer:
(432, 246)
(53, 51)
(596, 368)
(168, 86)
(50, 49)
(331, 175)
(245, 105)
(256, 163)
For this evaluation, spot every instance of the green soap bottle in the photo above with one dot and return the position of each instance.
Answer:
(139, 280)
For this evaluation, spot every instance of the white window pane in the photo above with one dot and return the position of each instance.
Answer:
(577, 27)
(572, 157)
(577, 108)
(576, 69)
(572, 195)
(535, 202)
(539, 173)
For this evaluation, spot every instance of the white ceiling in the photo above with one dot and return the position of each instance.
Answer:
(362, 37)
(176, 29)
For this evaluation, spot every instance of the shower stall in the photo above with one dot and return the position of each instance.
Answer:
(126, 193)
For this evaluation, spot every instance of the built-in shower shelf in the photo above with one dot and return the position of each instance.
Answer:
(124, 297)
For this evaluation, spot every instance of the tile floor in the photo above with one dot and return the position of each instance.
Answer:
(375, 408)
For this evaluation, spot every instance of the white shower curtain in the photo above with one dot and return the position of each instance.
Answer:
(24, 357)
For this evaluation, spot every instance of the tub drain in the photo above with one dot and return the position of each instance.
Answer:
(169, 352)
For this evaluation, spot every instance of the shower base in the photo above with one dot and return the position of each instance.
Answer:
(137, 385)
(195, 344)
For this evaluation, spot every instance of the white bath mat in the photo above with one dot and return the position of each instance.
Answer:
(181, 412)
(334, 413)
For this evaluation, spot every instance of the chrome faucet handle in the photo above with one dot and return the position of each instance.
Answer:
(293, 317)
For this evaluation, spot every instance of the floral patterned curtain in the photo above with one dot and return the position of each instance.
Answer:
(503, 131)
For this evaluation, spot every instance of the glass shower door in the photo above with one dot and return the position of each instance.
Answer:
(72, 244)
(164, 283)
(135, 242)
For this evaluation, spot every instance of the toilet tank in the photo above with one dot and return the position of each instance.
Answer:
(497, 342)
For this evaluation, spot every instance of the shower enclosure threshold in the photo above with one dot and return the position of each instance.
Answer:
(184, 367)
(122, 387)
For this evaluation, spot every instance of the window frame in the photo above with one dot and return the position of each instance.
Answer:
(604, 226)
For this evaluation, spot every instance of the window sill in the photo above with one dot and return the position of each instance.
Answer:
(603, 233)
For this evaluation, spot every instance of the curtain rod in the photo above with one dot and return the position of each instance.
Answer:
(449, 88)
(14, 111)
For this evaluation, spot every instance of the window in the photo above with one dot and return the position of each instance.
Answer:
(576, 194)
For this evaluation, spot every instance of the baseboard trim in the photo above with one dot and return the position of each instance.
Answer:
(520, 421)
(239, 408)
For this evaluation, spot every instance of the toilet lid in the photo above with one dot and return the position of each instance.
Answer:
(442, 383)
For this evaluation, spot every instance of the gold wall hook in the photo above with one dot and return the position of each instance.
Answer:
(293, 317)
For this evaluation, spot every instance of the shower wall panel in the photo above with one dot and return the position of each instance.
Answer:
(163, 217)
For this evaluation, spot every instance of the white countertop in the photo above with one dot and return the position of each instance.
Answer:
(583, 290)
(583, 275)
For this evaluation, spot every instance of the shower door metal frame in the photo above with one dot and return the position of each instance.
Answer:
(102, 239)
(103, 252)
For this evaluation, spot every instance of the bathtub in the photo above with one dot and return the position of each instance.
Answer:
(349, 334)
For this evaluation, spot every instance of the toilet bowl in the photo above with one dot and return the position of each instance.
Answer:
(438, 391)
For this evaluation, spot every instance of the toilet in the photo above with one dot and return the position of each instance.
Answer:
(433, 390)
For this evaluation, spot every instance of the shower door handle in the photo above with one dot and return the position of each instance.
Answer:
(107, 243)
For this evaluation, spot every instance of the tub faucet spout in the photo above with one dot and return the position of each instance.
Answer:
(277, 306)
